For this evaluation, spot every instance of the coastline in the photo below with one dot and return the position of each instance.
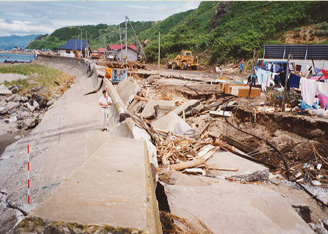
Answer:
(16, 52)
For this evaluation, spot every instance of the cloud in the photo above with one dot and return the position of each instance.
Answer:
(22, 28)
(23, 18)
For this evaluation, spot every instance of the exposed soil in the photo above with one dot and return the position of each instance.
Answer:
(303, 35)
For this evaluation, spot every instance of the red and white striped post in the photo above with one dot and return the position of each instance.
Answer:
(107, 108)
(28, 174)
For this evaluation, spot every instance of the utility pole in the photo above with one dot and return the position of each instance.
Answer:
(253, 70)
(126, 39)
(119, 28)
(86, 43)
(285, 89)
(75, 42)
(159, 49)
(81, 41)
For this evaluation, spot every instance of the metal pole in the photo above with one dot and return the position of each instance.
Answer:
(253, 70)
(81, 42)
(86, 44)
(159, 49)
(264, 52)
(119, 28)
(136, 38)
(285, 90)
(126, 39)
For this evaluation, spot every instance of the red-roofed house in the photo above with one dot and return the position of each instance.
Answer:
(116, 51)
(102, 51)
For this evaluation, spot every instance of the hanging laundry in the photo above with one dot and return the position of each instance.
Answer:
(309, 88)
(298, 68)
(323, 101)
(268, 67)
(294, 81)
(277, 81)
(316, 70)
(265, 78)
(275, 68)
(282, 78)
(325, 73)
(323, 88)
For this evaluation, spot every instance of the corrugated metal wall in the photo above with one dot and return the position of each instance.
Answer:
(315, 52)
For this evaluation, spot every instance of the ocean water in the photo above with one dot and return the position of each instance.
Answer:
(18, 57)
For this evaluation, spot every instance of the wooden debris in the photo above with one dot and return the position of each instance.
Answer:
(200, 160)
(220, 169)
(238, 144)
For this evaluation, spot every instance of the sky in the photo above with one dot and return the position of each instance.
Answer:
(44, 17)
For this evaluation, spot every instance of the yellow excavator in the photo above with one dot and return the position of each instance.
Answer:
(184, 61)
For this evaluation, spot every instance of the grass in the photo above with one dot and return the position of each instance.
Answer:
(47, 77)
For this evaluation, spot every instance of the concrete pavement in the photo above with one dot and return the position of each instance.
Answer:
(230, 207)
(113, 189)
(69, 134)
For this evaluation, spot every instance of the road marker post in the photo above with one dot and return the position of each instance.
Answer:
(28, 174)
(107, 108)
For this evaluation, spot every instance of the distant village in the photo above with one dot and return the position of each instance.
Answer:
(80, 48)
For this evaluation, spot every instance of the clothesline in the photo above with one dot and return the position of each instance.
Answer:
(310, 87)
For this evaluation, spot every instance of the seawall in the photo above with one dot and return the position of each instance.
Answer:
(68, 146)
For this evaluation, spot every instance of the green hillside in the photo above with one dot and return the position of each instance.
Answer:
(216, 31)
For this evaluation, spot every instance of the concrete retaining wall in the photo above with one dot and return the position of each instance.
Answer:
(68, 136)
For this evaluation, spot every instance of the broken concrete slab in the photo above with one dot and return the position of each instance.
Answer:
(117, 101)
(12, 105)
(4, 110)
(190, 107)
(40, 99)
(136, 106)
(112, 189)
(127, 91)
(247, 170)
(4, 90)
(150, 110)
(32, 105)
(173, 123)
(228, 207)
(14, 88)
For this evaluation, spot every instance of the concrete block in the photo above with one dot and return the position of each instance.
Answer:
(113, 189)
(3, 110)
(117, 101)
(136, 106)
(226, 207)
(173, 123)
(12, 105)
(190, 107)
(150, 111)
(4, 90)
(127, 91)
(247, 170)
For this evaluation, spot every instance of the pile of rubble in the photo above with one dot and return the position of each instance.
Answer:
(22, 113)
(192, 137)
